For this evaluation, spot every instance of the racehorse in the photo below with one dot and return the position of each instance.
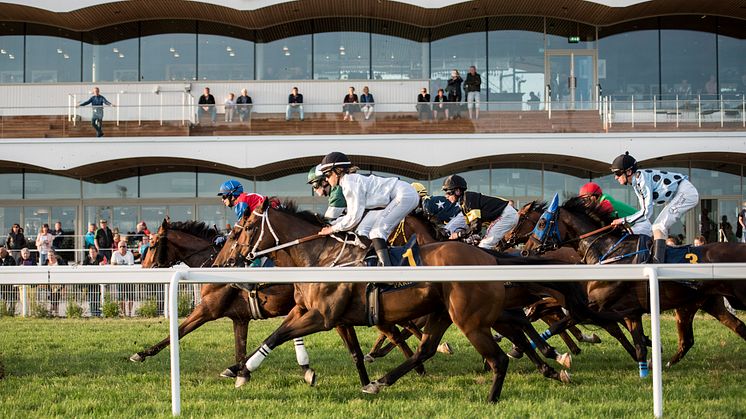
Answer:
(572, 224)
(192, 243)
(474, 308)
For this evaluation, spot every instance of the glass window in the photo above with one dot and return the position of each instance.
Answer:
(208, 184)
(94, 214)
(519, 184)
(611, 187)
(224, 52)
(286, 186)
(168, 185)
(457, 46)
(125, 219)
(399, 51)
(689, 56)
(215, 215)
(168, 51)
(342, 55)
(120, 188)
(11, 52)
(111, 54)
(44, 186)
(476, 180)
(67, 216)
(11, 185)
(33, 219)
(628, 59)
(565, 34)
(8, 217)
(153, 215)
(181, 212)
(716, 183)
(516, 58)
(53, 55)
(561, 181)
(284, 52)
(732, 56)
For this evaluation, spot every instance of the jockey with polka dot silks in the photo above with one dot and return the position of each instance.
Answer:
(388, 201)
(337, 204)
(233, 196)
(446, 215)
(478, 209)
(617, 209)
(655, 187)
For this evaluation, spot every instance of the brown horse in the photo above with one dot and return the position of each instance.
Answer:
(192, 243)
(577, 217)
(475, 308)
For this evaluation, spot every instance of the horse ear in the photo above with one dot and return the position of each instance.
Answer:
(555, 204)
(164, 224)
(266, 203)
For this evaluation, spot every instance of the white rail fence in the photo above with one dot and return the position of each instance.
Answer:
(184, 275)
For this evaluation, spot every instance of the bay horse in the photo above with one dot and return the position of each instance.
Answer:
(475, 308)
(193, 243)
(577, 217)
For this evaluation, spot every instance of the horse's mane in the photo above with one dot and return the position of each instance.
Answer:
(539, 206)
(590, 210)
(289, 206)
(195, 228)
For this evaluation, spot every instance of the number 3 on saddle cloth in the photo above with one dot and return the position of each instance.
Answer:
(674, 254)
(407, 255)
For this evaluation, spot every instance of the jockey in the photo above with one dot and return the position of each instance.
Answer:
(655, 187)
(233, 196)
(478, 209)
(439, 211)
(388, 199)
(617, 209)
(321, 187)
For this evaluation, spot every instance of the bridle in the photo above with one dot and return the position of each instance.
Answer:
(161, 252)
(514, 239)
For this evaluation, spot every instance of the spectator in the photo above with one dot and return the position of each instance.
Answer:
(206, 105)
(56, 291)
(60, 242)
(673, 241)
(104, 240)
(453, 90)
(244, 106)
(127, 294)
(473, 88)
(115, 242)
(423, 105)
(367, 99)
(741, 227)
(94, 290)
(44, 243)
(440, 109)
(97, 102)
(89, 239)
(16, 240)
(533, 101)
(143, 248)
(725, 230)
(8, 292)
(141, 231)
(230, 107)
(295, 104)
(699, 241)
(26, 258)
(350, 105)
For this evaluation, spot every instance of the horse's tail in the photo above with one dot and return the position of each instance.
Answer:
(576, 303)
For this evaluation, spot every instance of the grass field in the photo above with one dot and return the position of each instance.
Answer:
(79, 368)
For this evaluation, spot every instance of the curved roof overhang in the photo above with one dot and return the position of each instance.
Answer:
(85, 15)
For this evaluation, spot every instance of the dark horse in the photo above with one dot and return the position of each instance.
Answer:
(192, 243)
(475, 308)
(577, 217)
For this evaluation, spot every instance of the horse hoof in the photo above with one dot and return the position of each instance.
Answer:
(137, 358)
(564, 377)
(243, 378)
(445, 348)
(372, 388)
(498, 337)
(310, 377)
(228, 373)
(565, 360)
(515, 354)
(369, 358)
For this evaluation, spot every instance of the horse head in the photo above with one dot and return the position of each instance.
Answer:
(546, 234)
(528, 216)
(190, 242)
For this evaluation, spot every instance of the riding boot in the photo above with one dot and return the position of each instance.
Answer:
(382, 250)
(659, 251)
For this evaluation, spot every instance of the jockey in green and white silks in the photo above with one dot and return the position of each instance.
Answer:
(337, 204)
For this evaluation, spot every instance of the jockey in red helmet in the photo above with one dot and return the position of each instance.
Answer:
(616, 209)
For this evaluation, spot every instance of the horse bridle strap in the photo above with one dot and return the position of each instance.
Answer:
(254, 254)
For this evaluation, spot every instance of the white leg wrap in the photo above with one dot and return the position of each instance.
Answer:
(300, 352)
(256, 360)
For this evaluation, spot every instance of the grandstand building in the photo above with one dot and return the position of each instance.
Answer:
(664, 79)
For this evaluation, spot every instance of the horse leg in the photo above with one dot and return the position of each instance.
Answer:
(537, 340)
(379, 350)
(518, 339)
(435, 327)
(684, 319)
(349, 337)
(484, 343)
(197, 318)
(396, 338)
(571, 345)
(240, 332)
(634, 324)
(582, 337)
(301, 356)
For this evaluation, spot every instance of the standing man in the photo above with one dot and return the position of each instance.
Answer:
(206, 105)
(104, 240)
(97, 102)
(473, 87)
(244, 105)
(295, 104)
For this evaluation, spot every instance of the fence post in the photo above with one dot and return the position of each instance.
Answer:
(655, 331)
(699, 111)
(118, 102)
(655, 113)
(160, 97)
(75, 110)
(174, 336)
(677, 111)
(139, 109)
(69, 107)
(24, 301)
(102, 297)
(632, 107)
(722, 111)
(165, 300)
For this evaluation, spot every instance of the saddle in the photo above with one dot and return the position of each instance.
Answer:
(407, 255)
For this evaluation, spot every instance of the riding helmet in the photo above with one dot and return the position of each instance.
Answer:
(454, 182)
(420, 188)
(315, 175)
(230, 187)
(624, 162)
(333, 160)
(590, 189)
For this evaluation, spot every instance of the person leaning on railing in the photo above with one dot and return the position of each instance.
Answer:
(97, 102)
(295, 104)
(16, 240)
(423, 105)
(205, 105)
(244, 105)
